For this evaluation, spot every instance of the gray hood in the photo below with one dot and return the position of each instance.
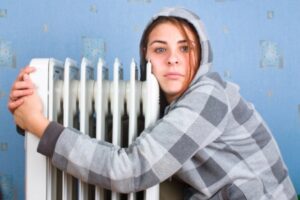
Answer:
(206, 53)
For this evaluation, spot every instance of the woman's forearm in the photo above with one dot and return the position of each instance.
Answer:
(38, 126)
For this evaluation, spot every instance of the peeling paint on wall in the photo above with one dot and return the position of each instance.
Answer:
(93, 49)
(271, 55)
(137, 28)
(227, 74)
(7, 57)
(3, 146)
(270, 93)
(3, 12)
(45, 28)
(225, 30)
(93, 9)
(7, 187)
(270, 14)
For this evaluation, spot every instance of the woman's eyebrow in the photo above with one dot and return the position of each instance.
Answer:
(158, 41)
(186, 41)
(193, 43)
(164, 42)
(182, 41)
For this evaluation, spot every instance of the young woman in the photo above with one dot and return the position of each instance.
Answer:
(209, 137)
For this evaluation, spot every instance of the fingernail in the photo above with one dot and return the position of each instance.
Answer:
(25, 77)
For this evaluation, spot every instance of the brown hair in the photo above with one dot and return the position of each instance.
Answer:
(180, 23)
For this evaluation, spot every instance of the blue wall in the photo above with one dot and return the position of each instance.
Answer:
(256, 44)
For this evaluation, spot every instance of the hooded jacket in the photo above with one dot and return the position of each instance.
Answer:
(210, 138)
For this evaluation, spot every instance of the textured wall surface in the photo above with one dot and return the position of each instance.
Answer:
(255, 43)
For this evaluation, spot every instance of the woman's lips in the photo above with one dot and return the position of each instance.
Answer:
(173, 75)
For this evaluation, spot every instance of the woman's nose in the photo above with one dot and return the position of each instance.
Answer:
(173, 59)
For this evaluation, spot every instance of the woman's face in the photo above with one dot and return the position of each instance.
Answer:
(168, 50)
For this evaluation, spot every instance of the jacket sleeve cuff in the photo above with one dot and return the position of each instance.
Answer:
(48, 140)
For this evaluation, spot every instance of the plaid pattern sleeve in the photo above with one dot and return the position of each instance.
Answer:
(196, 120)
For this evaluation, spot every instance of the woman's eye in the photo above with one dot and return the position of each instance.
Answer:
(185, 48)
(159, 50)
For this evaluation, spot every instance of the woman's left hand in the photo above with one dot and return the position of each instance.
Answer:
(21, 88)
(29, 115)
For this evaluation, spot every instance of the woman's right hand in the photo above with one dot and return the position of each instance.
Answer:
(21, 88)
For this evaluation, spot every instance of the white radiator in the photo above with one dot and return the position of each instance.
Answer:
(96, 106)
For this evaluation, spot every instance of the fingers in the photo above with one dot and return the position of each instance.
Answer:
(19, 85)
(13, 105)
(22, 87)
(26, 70)
(16, 94)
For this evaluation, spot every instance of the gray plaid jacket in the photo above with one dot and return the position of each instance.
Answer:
(210, 138)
